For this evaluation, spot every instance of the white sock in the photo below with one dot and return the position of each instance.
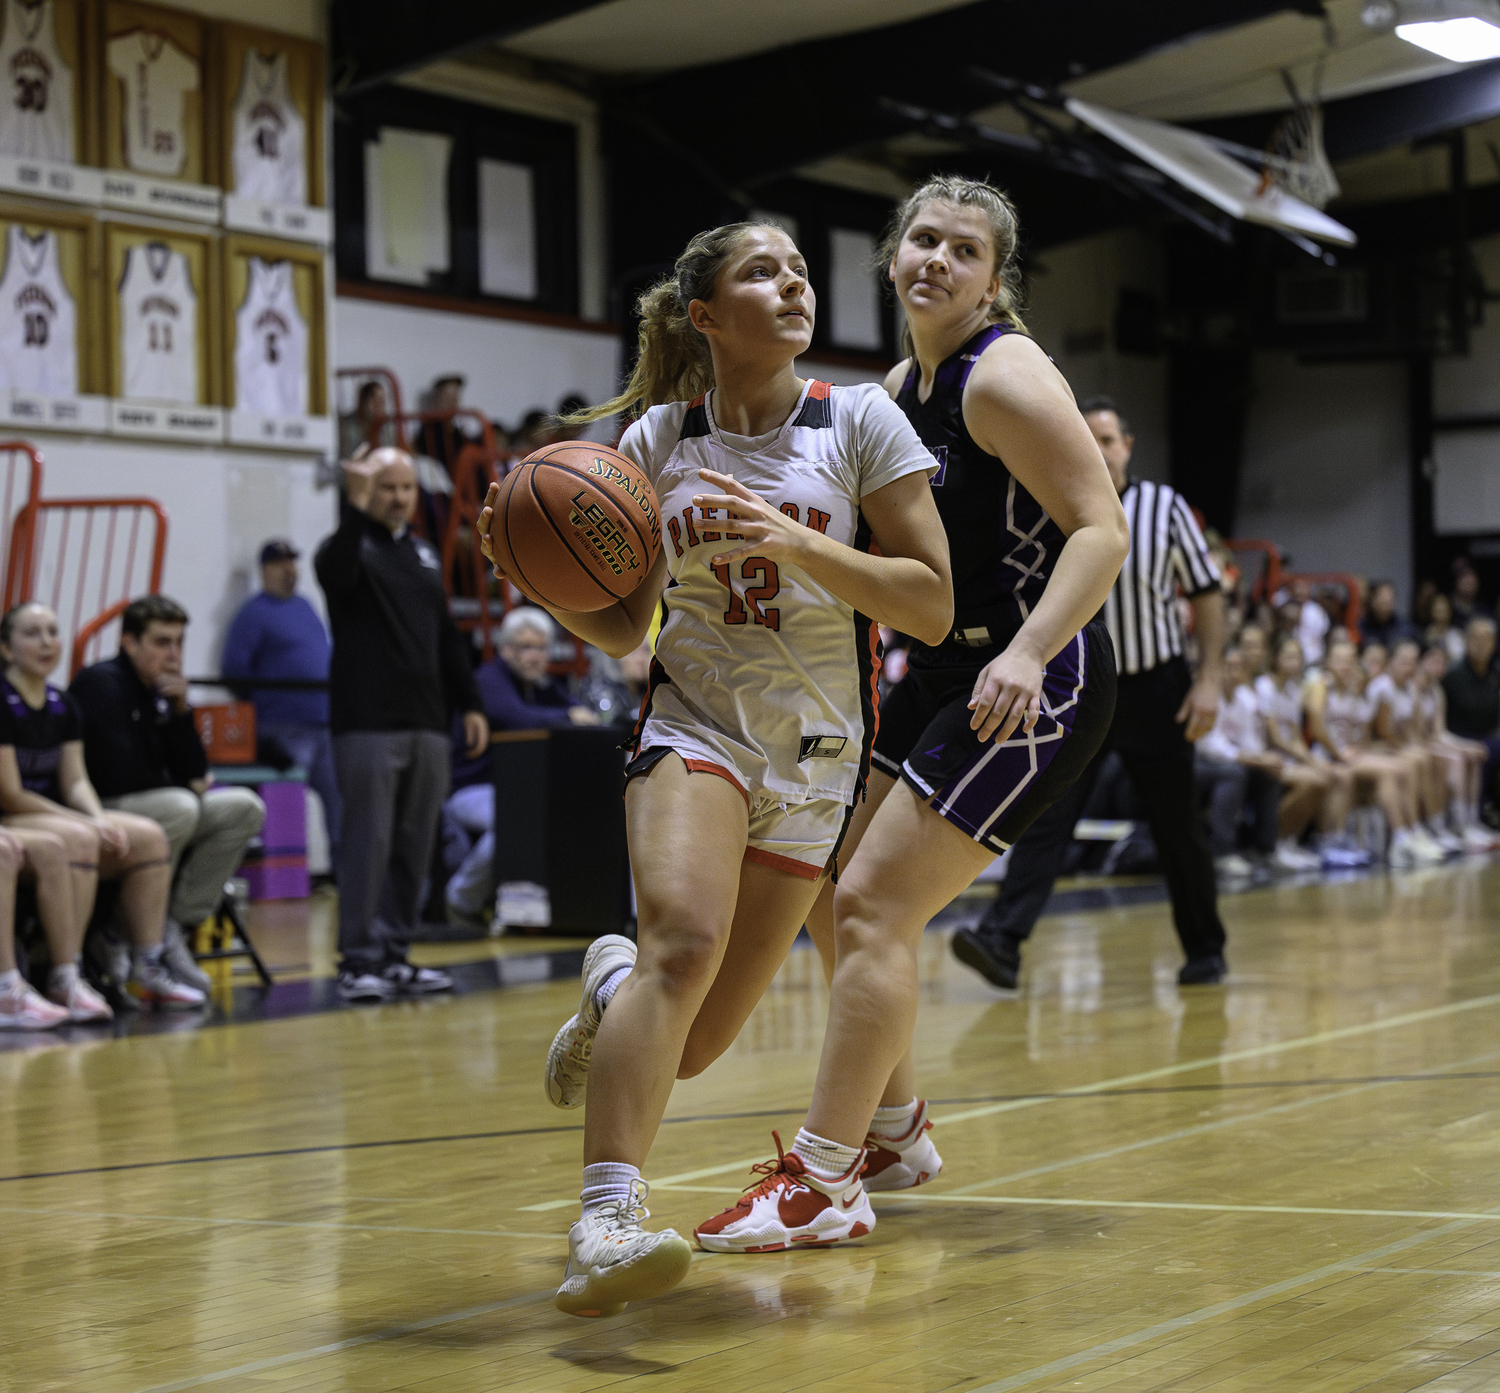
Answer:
(890, 1123)
(1401, 836)
(10, 982)
(606, 993)
(1436, 824)
(825, 1160)
(61, 978)
(150, 956)
(606, 1182)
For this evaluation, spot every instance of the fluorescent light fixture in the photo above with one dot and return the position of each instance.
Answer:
(1466, 40)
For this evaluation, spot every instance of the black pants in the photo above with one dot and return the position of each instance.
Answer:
(1159, 760)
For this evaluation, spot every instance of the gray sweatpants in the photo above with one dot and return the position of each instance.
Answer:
(393, 784)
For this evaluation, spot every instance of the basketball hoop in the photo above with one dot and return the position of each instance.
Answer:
(1295, 160)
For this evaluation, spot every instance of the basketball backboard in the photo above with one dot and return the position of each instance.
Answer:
(1198, 165)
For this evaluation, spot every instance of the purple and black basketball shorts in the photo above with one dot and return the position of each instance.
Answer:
(995, 792)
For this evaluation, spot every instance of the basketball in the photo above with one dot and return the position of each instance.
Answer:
(577, 526)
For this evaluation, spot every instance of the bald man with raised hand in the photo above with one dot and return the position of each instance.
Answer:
(400, 670)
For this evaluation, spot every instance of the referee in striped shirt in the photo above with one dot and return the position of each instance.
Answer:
(1159, 713)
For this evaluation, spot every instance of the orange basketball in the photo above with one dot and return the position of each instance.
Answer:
(577, 526)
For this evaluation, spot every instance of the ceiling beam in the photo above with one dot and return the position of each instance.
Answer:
(372, 44)
(758, 118)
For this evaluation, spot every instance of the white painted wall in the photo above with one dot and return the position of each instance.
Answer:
(1072, 294)
(511, 366)
(1325, 466)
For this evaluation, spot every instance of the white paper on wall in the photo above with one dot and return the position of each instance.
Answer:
(853, 296)
(1466, 489)
(406, 205)
(507, 230)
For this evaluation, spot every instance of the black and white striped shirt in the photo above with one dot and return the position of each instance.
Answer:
(1166, 546)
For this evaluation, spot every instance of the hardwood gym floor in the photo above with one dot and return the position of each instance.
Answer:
(1288, 1182)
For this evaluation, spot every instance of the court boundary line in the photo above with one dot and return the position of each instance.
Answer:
(1022, 1200)
(394, 1332)
(1040, 1097)
(1105, 1085)
(227, 1221)
(1206, 1313)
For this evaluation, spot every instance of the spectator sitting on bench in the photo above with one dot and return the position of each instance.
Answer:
(143, 755)
(517, 694)
(278, 634)
(44, 788)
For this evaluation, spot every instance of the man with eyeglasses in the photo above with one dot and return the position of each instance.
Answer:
(518, 694)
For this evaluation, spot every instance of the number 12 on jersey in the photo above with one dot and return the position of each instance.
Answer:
(762, 570)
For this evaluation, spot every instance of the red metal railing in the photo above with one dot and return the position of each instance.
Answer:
(1269, 581)
(18, 500)
(1352, 589)
(375, 374)
(87, 558)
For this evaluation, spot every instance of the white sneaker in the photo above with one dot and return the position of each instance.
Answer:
(1234, 866)
(1478, 840)
(612, 1260)
(566, 1075)
(1402, 855)
(152, 984)
(901, 1163)
(179, 957)
(23, 1008)
(791, 1209)
(1446, 841)
(80, 1000)
(1290, 857)
(1426, 849)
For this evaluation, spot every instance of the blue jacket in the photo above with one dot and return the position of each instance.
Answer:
(510, 704)
(271, 637)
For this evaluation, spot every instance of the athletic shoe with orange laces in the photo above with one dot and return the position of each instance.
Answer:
(791, 1209)
(899, 1163)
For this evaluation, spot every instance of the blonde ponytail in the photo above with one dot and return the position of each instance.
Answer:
(672, 360)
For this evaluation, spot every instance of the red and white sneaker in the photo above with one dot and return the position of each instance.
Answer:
(791, 1209)
(899, 1163)
(152, 984)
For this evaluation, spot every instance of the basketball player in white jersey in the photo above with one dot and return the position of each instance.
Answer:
(36, 111)
(989, 727)
(38, 320)
(270, 344)
(754, 739)
(158, 326)
(156, 75)
(270, 136)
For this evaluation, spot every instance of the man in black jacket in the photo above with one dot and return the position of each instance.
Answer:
(400, 669)
(143, 755)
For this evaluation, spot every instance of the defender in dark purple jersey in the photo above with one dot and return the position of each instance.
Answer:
(989, 726)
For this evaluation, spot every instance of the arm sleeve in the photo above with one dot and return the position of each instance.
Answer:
(1191, 558)
(458, 672)
(240, 644)
(506, 709)
(72, 721)
(337, 562)
(186, 758)
(885, 445)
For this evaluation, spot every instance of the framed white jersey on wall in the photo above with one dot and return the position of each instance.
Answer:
(163, 315)
(268, 97)
(40, 81)
(48, 315)
(153, 91)
(273, 314)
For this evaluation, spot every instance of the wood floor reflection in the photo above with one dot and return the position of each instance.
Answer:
(1287, 1182)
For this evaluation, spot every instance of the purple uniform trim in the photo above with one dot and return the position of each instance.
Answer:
(977, 796)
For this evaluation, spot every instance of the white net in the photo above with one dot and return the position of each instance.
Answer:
(1295, 159)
